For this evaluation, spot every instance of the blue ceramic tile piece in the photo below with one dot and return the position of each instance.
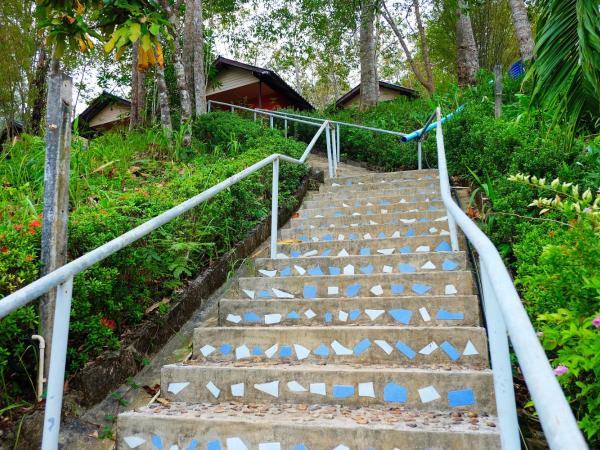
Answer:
(334, 270)
(432, 208)
(450, 350)
(367, 269)
(463, 397)
(257, 351)
(397, 289)
(157, 442)
(361, 346)
(322, 225)
(338, 214)
(406, 350)
(193, 445)
(299, 447)
(327, 237)
(401, 315)
(225, 349)
(285, 272)
(251, 316)
(384, 202)
(310, 291)
(326, 252)
(442, 314)
(365, 251)
(315, 271)
(394, 393)
(354, 314)
(381, 235)
(356, 204)
(405, 249)
(348, 183)
(406, 268)
(295, 254)
(214, 445)
(427, 177)
(303, 238)
(328, 317)
(420, 289)
(423, 219)
(321, 350)
(293, 315)
(343, 390)
(352, 289)
(264, 294)
(285, 351)
(353, 237)
(449, 265)
(443, 247)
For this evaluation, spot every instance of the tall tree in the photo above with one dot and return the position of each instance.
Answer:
(137, 90)
(199, 63)
(37, 92)
(522, 28)
(467, 60)
(369, 84)
(163, 101)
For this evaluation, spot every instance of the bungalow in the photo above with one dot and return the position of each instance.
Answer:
(387, 91)
(252, 86)
(105, 112)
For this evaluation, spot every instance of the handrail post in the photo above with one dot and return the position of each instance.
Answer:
(501, 365)
(329, 154)
(285, 126)
(232, 108)
(337, 146)
(209, 105)
(419, 155)
(334, 150)
(58, 358)
(270, 121)
(274, 207)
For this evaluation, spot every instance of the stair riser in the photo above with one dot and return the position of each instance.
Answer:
(389, 199)
(402, 175)
(410, 262)
(363, 212)
(359, 387)
(377, 185)
(401, 245)
(377, 285)
(408, 311)
(181, 431)
(228, 345)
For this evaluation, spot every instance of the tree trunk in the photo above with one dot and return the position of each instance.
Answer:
(38, 103)
(415, 69)
(199, 71)
(184, 93)
(137, 91)
(424, 46)
(188, 44)
(466, 57)
(522, 28)
(163, 100)
(369, 84)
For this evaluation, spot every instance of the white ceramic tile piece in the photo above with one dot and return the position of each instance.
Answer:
(386, 251)
(294, 386)
(174, 447)
(333, 290)
(317, 388)
(356, 214)
(441, 219)
(268, 273)
(343, 252)
(349, 269)
(372, 222)
(309, 313)
(433, 230)
(353, 224)
(214, 390)
(429, 348)
(384, 346)
(470, 349)
(281, 294)
(271, 388)
(425, 314)
(249, 293)
(235, 443)
(345, 206)
(341, 447)
(368, 236)
(340, 350)
(233, 318)
(428, 394)
(402, 200)
(176, 388)
(242, 352)
(271, 350)
(340, 237)
(301, 351)
(374, 313)
(237, 390)
(428, 265)
(315, 239)
(369, 204)
(450, 289)
(207, 350)
(408, 220)
(310, 253)
(377, 290)
(366, 389)
(318, 216)
(282, 256)
(384, 211)
(270, 319)
(269, 446)
(387, 269)
(134, 441)
(396, 234)
(444, 233)
(343, 316)
(300, 270)
(422, 248)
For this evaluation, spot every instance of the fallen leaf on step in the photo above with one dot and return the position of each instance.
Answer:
(163, 401)
(290, 241)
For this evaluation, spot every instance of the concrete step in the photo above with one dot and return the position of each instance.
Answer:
(376, 184)
(402, 217)
(332, 265)
(401, 245)
(408, 347)
(399, 311)
(415, 227)
(409, 194)
(379, 199)
(359, 285)
(236, 426)
(371, 189)
(425, 389)
(365, 212)
(427, 174)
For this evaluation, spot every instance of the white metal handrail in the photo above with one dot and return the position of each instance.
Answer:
(504, 315)
(61, 279)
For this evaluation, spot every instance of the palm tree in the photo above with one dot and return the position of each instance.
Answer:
(566, 72)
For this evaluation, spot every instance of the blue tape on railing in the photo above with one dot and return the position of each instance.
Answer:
(417, 133)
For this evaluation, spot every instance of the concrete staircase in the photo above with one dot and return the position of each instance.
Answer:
(365, 333)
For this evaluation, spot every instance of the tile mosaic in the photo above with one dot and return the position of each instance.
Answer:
(301, 352)
(237, 390)
(374, 314)
(318, 388)
(401, 315)
(463, 397)
(470, 349)
(176, 388)
(282, 294)
(271, 388)
(429, 348)
(214, 390)
(134, 441)
(387, 348)
(450, 289)
(309, 313)
(340, 350)
(393, 392)
(294, 386)
(271, 319)
(428, 394)
(235, 443)
(405, 350)
(449, 349)
(442, 314)
(425, 314)
(361, 347)
(366, 389)
(342, 391)
(271, 351)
